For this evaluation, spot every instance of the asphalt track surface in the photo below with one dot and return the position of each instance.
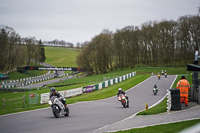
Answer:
(86, 117)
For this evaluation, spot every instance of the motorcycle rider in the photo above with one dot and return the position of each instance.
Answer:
(155, 89)
(158, 75)
(120, 91)
(53, 92)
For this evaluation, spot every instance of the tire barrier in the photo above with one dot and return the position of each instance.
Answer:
(24, 79)
(23, 83)
(173, 100)
(16, 90)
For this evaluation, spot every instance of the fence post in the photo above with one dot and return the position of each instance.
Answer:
(24, 101)
(3, 103)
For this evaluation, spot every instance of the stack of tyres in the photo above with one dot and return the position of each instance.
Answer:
(175, 99)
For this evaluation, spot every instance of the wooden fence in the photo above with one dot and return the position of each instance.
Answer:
(13, 101)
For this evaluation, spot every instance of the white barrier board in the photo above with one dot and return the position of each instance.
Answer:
(73, 92)
(44, 98)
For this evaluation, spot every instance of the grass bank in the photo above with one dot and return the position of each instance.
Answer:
(61, 56)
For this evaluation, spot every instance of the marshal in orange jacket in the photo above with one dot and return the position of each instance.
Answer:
(184, 86)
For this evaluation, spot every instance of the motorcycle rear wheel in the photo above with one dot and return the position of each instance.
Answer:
(67, 111)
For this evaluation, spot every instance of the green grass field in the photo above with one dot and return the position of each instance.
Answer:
(61, 56)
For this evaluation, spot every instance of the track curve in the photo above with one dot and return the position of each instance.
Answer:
(87, 116)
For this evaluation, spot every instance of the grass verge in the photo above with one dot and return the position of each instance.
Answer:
(160, 108)
(164, 128)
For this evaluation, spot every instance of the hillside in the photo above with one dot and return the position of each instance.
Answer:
(61, 56)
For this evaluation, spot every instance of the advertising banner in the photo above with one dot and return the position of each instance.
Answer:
(88, 89)
(73, 92)
(62, 93)
(49, 68)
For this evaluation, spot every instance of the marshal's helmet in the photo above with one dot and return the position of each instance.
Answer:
(183, 77)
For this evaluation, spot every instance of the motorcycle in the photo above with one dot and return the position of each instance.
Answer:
(165, 75)
(159, 76)
(122, 98)
(155, 90)
(58, 108)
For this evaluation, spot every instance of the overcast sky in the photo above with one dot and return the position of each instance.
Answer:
(80, 20)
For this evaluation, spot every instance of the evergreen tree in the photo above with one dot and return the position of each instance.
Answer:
(42, 52)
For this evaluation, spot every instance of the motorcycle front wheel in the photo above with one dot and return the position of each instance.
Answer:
(56, 111)
(124, 103)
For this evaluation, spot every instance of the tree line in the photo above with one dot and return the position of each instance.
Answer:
(17, 51)
(164, 43)
(56, 42)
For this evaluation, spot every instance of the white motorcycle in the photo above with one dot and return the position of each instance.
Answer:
(58, 108)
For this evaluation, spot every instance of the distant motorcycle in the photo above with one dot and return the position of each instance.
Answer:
(165, 75)
(123, 100)
(58, 107)
(159, 76)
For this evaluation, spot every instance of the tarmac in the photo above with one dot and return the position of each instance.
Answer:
(139, 121)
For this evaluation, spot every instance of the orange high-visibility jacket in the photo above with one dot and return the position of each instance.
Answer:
(184, 86)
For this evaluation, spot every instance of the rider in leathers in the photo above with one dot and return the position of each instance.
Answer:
(120, 91)
(53, 92)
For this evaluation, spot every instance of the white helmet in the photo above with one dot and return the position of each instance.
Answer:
(120, 89)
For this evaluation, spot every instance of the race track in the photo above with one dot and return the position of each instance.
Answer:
(86, 117)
